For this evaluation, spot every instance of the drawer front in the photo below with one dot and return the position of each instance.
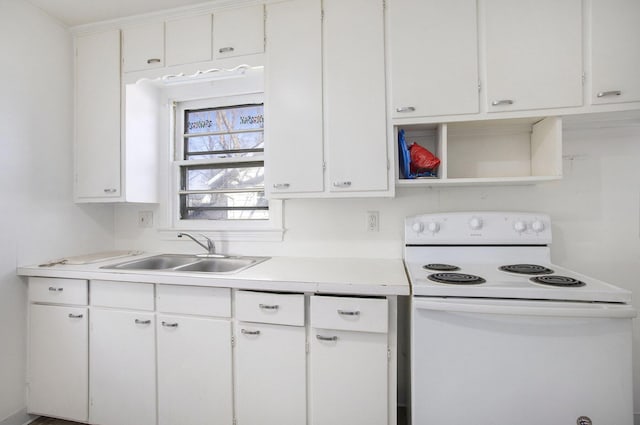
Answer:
(58, 291)
(263, 307)
(350, 314)
(129, 295)
(196, 300)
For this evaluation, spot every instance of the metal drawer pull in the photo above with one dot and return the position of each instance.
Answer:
(226, 49)
(54, 289)
(341, 184)
(143, 322)
(154, 60)
(75, 316)
(269, 307)
(609, 93)
(110, 190)
(348, 313)
(502, 102)
(405, 109)
(169, 325)
(281, 186)
(326, 338)
(246, 332)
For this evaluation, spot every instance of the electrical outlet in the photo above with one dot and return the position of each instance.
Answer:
(373, 221)
(145, 218)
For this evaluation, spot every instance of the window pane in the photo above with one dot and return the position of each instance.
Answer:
(226, 119)
(225, 206)
(220, 177)
(202, 147)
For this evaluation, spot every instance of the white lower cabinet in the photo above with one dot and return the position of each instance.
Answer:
(58, 356)
(122, 369)
(194, 371)
(348, 379)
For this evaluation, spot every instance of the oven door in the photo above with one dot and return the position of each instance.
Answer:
(513, 362)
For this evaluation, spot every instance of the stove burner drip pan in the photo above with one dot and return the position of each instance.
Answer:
(526, 269)
(559, 281)
(441, 267)
(456, 278)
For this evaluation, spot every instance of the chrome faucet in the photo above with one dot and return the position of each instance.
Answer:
(210, 247)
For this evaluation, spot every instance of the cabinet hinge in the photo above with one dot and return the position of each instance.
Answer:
(235, 421)
(479, 87)
(306, 348)
(388, 164)
(584, 78)
(384, 4)
(322, 14)
(324, 165)
(233, 341)
(388, 353)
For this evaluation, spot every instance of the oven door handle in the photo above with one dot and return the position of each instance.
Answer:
(528, 308)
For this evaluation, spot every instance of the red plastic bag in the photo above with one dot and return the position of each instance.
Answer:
(422, 160)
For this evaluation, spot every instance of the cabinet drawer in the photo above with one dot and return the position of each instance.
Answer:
(58, 291)
(197, 300)
(350, 314)
(130, 295)
(283, 309)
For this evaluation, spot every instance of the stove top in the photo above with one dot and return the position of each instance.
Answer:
(493, 255)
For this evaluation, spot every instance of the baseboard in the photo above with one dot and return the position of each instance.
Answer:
(19, 418)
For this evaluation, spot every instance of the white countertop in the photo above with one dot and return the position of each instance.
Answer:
(356, 276)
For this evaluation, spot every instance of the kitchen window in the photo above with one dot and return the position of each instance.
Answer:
(219, 165)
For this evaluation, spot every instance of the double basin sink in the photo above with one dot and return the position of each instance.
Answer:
(190, 263)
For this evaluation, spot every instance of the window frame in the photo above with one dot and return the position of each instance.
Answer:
(269, 229)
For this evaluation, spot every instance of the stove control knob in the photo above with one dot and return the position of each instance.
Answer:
(475, 223)
(519, 226)
(418, 227)
(537, 226)
(433, 227)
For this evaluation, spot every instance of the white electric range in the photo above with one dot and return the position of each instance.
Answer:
(501, 336)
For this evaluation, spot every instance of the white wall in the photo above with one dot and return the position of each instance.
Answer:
(39, 220)
(595, 212)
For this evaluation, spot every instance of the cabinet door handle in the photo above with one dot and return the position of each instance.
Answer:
(281, 185)
(153, 60)
(110, 190)
(341, 184)
(502, 102)
(226, 49)
(246, 332)
(269, 307)
(142, 322)
(609, 93)
(54, 289)
(348, 313)
(405, 109)
(326, 338)
(169, 325)
(75, 316)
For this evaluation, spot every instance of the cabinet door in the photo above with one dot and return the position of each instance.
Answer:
(354, 77)
(238, 32)
(188, 40)
(434, 57)
(348, 378)
(270, 375)
(615, 51)
(58, 362)
(533, 54)
(122, 369)
(194, 371)
(294, 149)
(143, 47)
(97, 116)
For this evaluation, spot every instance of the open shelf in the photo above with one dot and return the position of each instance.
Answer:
(509, 151)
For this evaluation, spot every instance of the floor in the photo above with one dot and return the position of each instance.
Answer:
(51, 421)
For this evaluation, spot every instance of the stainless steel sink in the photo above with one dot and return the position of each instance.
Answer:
(189, 263)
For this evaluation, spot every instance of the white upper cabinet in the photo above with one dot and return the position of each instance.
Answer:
(615, 51)
(294, 148)
(238, 31)
(188, 40)
(143, 47)
(533, 54)
(97, 117)
(355, 124)
(433, 57)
